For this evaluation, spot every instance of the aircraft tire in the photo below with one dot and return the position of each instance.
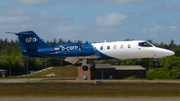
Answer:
(156, 64)
(92, 68)
(85, 68)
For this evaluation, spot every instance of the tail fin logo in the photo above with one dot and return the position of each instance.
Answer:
(30, 39)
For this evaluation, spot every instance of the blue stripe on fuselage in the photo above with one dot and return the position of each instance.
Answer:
(102, 55)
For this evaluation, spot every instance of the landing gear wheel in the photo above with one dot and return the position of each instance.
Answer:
(85, 68)
(156, 64)
(92, 68)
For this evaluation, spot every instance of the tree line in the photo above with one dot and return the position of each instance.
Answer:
(10, 56)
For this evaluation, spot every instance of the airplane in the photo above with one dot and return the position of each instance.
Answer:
(32, 46)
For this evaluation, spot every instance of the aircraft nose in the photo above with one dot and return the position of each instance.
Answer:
(158, 52)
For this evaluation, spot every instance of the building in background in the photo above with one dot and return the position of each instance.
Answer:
(3, 73)
(107, 71)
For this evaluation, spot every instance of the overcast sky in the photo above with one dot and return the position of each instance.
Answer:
(93, 20)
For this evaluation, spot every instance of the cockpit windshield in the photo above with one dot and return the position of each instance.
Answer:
(145, 44)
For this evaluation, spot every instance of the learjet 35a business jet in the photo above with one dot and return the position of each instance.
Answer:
(33, 46)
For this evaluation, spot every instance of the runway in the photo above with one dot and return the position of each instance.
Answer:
(87, 81)
(89, 98)
(20, 80)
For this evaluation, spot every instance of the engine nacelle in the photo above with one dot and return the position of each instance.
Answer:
(73, 49)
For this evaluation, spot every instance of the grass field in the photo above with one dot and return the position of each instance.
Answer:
(111, 89)
(67, 71)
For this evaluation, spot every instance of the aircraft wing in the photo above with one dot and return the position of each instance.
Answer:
(74, 60)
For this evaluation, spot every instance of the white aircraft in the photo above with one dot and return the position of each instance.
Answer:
(33, 46)
(123, 50)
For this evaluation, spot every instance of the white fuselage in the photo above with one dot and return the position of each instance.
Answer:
(131, 50)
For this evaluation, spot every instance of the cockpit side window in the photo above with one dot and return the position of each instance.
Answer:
(145, 44)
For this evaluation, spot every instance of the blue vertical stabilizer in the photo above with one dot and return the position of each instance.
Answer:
(29, 41)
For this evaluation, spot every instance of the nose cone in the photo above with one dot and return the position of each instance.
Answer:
(158, 52)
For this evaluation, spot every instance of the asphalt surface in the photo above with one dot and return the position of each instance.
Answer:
(20, 80)
(89, 98)
(49, 80)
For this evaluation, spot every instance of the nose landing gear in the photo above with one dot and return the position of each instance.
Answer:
(156, 63)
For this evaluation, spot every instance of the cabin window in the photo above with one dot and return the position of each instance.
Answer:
(108, 47)
(115, 47)
(145, 44)
(101, 48)
(129, 46)
(122, 46)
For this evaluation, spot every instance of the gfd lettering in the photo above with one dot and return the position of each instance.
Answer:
(30, 40)
(70, 48)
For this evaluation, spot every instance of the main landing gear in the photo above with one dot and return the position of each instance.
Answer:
(92, 68)
(85, 67)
